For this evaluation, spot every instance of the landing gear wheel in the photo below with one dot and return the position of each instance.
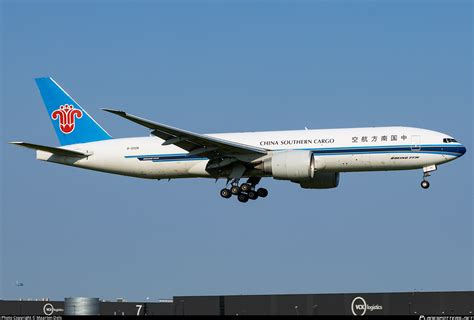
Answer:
(425, 184)
(253, 195)
(262, 192)
(245, 187)
(235, 190)
(225, 193)
(243, 197)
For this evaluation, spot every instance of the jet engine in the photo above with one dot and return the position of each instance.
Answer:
(290, 165)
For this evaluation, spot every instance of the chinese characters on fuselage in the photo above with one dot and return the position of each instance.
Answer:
(384, 138)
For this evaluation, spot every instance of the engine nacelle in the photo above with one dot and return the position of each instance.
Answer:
(321, 180)
(290, 165)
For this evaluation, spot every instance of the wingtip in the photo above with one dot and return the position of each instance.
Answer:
(15, 142)
(118, 112)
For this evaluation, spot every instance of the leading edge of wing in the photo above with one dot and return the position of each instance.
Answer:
(178, 135)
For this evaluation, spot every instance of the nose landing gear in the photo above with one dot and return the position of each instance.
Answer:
(425, 184)
(246, 191)
(426, 173)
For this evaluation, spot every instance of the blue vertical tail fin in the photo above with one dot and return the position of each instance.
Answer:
(71, 123)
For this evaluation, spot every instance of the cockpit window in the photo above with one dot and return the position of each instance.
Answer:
(448, 140)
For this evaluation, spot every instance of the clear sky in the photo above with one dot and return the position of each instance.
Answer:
(224, 66)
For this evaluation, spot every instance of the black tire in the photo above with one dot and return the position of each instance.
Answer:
(245, 187)
(253, 195)
(235, 190)
(262, 192)
(243, 197)
(425, 184)
(225, 193)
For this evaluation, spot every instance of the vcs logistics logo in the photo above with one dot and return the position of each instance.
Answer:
(66, 114)
(359, 306)
(49, 309)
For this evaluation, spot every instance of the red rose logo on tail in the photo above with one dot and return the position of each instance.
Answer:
(66, 114)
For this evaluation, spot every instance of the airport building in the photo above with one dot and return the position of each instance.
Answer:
(403, 303)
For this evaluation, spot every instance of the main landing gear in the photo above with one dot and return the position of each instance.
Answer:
(426, 173)
(245, 191)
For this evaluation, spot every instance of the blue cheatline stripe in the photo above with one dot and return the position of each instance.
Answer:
(409, 146)
(167, 157)
(182, 159)
(452, 150)
(426, 147)
(383, 152)
(156, 155)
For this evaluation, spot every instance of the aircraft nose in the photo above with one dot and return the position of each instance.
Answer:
(462, 150)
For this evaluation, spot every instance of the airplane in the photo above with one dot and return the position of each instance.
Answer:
(313, 159)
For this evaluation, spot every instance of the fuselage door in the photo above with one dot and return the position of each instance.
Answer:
(415, 143)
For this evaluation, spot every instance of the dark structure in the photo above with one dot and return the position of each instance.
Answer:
(405, 303)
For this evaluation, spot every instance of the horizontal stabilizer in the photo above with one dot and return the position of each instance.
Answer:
(53, 150)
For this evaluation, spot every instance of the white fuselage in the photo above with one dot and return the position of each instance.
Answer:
(335, 150)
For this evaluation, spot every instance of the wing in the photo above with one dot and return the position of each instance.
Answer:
(194, 143)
